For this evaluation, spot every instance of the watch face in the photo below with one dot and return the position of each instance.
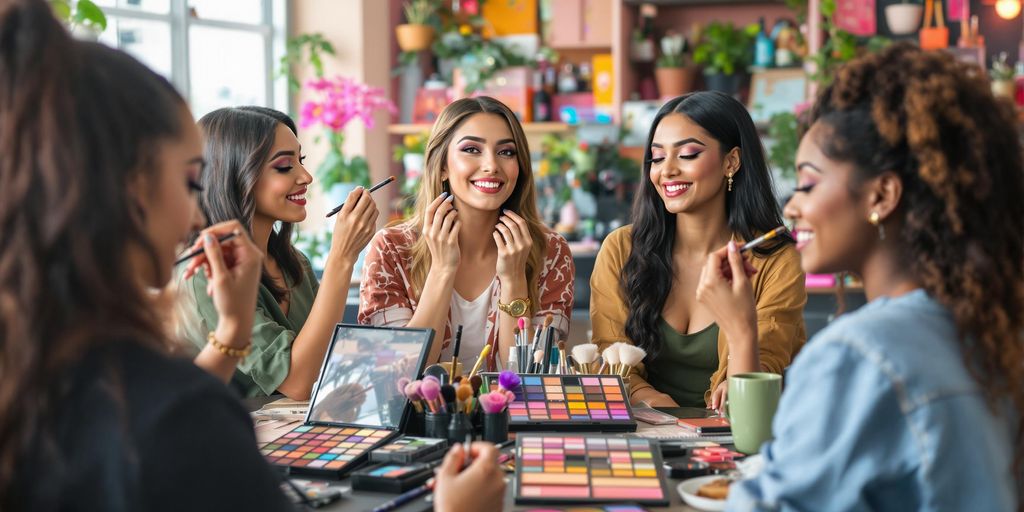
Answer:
(517, 308)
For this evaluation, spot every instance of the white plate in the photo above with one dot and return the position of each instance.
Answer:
(688, 491)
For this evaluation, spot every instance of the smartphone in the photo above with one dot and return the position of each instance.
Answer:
(687, 412)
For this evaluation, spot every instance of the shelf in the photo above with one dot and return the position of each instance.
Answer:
(529, 128)
(701, 3)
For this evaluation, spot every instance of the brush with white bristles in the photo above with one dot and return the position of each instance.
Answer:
(585, 354)
(611, 357)
(630, 356)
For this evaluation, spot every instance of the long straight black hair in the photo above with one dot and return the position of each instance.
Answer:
(751, 209)
(236, 145)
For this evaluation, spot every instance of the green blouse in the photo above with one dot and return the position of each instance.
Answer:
(263, 370)
(685, 363)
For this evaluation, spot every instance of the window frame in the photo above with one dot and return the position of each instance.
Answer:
(272, 28)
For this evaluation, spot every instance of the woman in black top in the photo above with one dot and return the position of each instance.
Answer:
(99, 159)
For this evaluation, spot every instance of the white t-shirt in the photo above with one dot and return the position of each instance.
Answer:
(472, 316)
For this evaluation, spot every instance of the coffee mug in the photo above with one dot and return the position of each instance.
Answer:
(753, 398)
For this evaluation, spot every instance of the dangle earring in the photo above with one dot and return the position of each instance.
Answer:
(730, 182)
(876, 220)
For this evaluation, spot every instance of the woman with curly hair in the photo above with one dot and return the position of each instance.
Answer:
(911, 176)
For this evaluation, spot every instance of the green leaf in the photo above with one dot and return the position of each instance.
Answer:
(61, 9)
(86, 10)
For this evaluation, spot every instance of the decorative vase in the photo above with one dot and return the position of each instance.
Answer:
(729, 84)
(414, 37)
(903, 18)
(1004, 88)
(674, 82)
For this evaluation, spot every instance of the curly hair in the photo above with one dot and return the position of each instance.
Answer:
(935, 123)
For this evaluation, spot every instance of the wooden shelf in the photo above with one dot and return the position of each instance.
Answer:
(701, 3)
(829, 290)
(529, 128)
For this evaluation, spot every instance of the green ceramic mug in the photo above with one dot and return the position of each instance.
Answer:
(753, 398)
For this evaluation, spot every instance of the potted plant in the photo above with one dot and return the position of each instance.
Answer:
(674, 77)
(411, 153)
(726, 52)
(416, 35)
(904, 17)
(339, 101)
(82, 17)
(1001, 75)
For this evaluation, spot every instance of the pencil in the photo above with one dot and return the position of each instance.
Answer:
(199, 251)
(763, 238)
(387, 180)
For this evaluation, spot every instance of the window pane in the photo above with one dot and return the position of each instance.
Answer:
(226, 68)
(155, 6)
(240, 11)
(148, 41)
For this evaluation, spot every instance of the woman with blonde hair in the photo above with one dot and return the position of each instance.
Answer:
(475, 252)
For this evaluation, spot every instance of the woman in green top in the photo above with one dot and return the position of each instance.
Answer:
(255, 174)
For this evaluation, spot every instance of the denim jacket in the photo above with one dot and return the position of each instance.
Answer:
(880, 413)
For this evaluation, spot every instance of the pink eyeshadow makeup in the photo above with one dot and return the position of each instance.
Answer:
(588, 469)
(578, 403)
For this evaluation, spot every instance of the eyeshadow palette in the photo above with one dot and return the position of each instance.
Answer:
(323, 447)
(409, 449)
(355, 405)
(575, 403)
(588, 469)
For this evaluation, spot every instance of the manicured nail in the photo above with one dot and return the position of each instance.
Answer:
(208, 239)
(732, 246)
(450, 198)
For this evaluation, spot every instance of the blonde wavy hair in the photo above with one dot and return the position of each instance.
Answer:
(522, 201)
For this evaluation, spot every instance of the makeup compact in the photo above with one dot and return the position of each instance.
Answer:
(587, 469)
(409, 449)
(716, 425)
(355, 406)
(568, 403)
(391, 477)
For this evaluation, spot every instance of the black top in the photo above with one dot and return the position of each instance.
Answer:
(142, 431)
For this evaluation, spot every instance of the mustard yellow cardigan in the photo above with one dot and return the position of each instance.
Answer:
(779, 295)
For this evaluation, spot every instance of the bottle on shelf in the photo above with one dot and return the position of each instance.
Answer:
(567, 79)
(764, 48)
(541, 99)
(583, 82)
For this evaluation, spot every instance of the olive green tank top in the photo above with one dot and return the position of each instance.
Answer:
(683, 367)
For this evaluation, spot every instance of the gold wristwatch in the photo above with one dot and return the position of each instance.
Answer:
(517, 308)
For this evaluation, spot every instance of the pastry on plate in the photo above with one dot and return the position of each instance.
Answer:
(717, 489)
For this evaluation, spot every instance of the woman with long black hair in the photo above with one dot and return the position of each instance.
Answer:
(707, 185)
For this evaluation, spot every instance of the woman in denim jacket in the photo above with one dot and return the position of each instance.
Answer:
(910, 176)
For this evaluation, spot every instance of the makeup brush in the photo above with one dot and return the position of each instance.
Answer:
(412, 392)
(513, 358)
(200, 250)
(537, 356)
(630, 355)
(517, 335)
(584, 355)
(402, 383)
(549, 338)
(480, 360)
(455, 352)
(763, 238)
(431, 390)
(448, 393)
(570, 365)
(464, 394)
(387, 180)
(476, 381)
(509, 381)
(493, 402)
(611, 357)
(562, 368)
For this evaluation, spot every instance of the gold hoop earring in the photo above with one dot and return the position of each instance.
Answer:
(876, 220)
(730, 182)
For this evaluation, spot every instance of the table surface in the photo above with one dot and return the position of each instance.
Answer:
(364, 500)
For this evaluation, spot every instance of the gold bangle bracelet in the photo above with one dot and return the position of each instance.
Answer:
(226, 350)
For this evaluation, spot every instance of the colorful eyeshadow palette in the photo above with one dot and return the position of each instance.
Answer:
(355, 406)
(588, 469)
(391, 477)
(575, 403)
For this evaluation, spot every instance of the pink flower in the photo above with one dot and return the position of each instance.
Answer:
(340, 100)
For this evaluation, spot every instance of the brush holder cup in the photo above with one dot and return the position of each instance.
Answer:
(496, 427)
(435, 424)
(459, 428)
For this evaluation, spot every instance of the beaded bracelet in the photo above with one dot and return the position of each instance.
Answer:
(226, 350)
